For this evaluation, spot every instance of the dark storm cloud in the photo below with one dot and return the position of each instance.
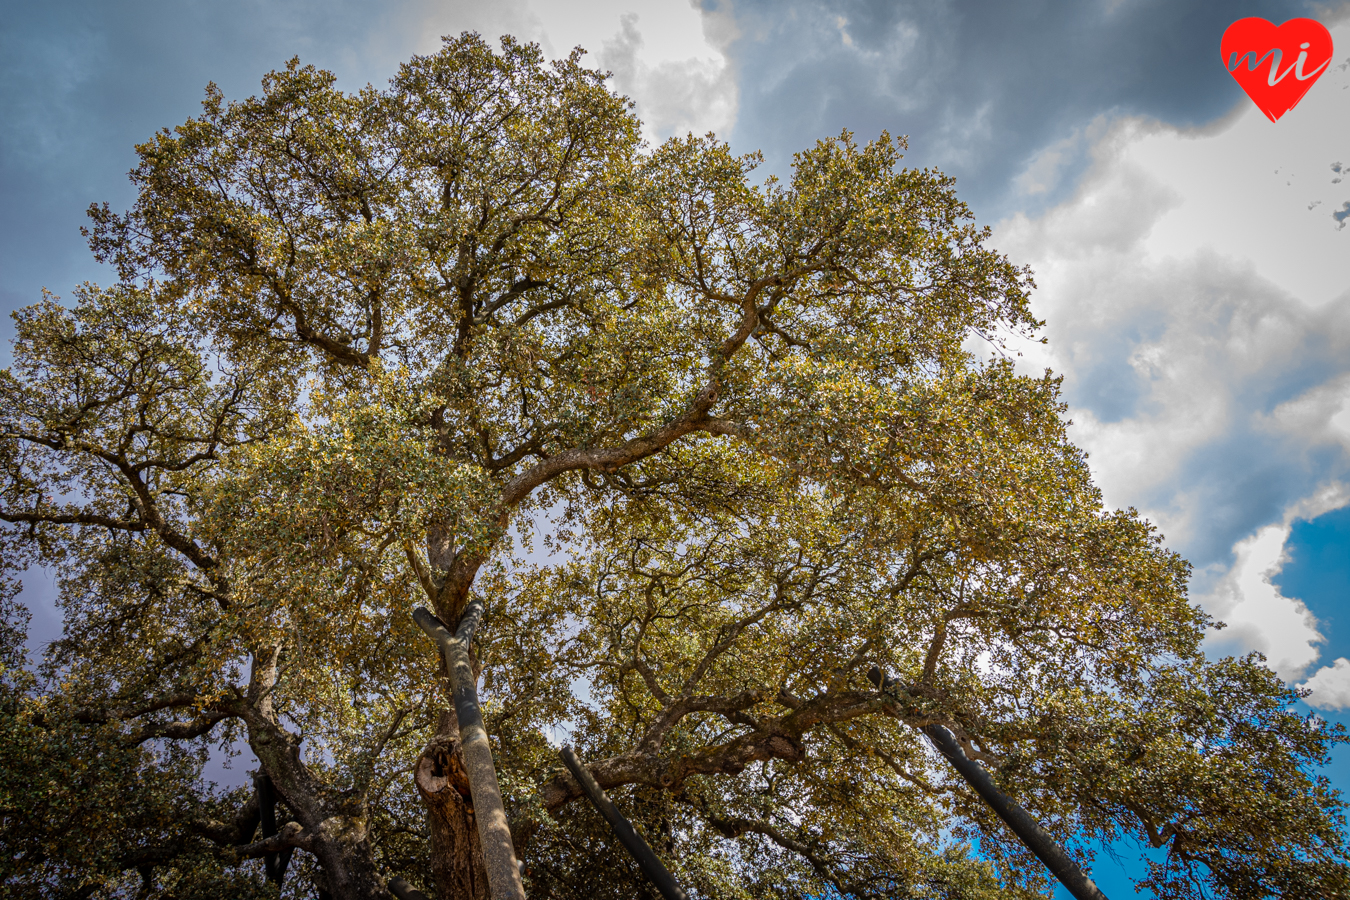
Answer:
(979, 87)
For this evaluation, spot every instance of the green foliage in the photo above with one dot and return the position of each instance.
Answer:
(710, 446)
(83, 812)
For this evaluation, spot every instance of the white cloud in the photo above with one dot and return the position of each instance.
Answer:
(1265, 191)
(1197, 293)
(1330, 686)
(1321, 414)
(668, 57)
(673, 96)
(1049, 167)
(1258, 616)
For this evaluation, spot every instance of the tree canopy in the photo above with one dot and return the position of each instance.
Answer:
(708, 445)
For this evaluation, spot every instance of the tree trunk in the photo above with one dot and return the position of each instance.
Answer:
(334, 828)
(456, 855)
(348, 863)
(335, 833)
(458, 866)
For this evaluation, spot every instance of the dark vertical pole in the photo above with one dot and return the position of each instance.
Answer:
(494, 833)
(274, 864)
(651, 866)
(1037, 839)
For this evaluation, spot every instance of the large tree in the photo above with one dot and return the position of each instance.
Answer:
(709, 446)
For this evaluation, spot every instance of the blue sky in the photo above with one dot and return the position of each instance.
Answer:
(1318, 571)
(1195, 282)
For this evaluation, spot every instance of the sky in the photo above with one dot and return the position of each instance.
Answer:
(1192, 257)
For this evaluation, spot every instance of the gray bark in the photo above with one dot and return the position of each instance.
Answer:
(494, 832)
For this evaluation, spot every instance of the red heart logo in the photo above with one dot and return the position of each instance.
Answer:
(1276, 66)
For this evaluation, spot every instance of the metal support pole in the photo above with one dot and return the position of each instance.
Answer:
(499, 855)
(651, 866)
(274, 864)
(1037, 839)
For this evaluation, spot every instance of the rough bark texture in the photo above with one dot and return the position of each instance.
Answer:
(457, 863)
(456, 854)
(331, 828)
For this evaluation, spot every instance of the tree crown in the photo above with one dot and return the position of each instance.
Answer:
(709, 446)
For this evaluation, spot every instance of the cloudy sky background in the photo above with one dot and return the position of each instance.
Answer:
(1193, 258)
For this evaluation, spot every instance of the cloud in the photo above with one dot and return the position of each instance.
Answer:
(980, 86)
(1198, 306)
(1257, 615)
(667, 57)
(1206, 392)
(1330, 686)
(696, 94)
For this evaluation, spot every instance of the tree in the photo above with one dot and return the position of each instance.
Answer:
(708, 447)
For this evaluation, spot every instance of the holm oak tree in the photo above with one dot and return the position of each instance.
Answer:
(709, 447)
